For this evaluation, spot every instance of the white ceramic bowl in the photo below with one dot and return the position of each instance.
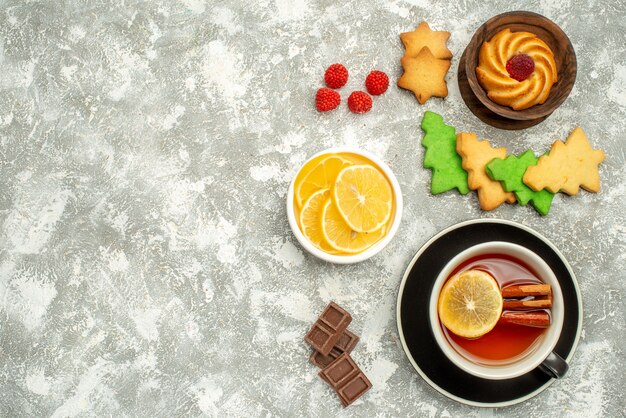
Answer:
(373, 250)
(549, 338)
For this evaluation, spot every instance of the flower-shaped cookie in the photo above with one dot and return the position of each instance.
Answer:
(501, 87)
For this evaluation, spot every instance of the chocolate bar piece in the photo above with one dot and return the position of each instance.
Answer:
(321, 360)
(345, 344)
(328, 328)
(346, 378)
(342, 369)
(347, 341)
(352, 390)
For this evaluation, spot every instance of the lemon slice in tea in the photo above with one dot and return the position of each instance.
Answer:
(470, 304)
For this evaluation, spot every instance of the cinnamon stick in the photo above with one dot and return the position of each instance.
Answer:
(525, 290)
(542, 302)
(539, 319)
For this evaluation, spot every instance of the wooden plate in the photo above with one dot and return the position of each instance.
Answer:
(482, 112)
(503, 116)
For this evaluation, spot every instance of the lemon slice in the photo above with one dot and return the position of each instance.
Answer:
(319, 176)
(363, 197)
(311, 220)
(470, 304)
(341, 237)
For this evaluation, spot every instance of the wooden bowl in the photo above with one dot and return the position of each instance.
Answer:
(564, 56)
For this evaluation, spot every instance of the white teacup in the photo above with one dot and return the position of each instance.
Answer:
(541, 355)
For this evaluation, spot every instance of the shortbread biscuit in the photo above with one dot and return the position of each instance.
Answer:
(424, 75)
(475, 155)
(422, 37)
(567, 167)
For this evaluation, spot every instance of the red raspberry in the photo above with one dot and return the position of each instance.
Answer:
(377, 83)
(326, 99)
(359, 102)
(336, 76)
(520, 67)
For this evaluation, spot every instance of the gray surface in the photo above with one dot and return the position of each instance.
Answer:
(146, 263)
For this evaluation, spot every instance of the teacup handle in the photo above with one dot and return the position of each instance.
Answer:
(554, 366)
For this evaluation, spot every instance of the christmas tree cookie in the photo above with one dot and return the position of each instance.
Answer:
(567, 167)
(475, 155)
(510, 171)
(441, 156)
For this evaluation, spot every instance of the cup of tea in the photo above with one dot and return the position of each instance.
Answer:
(526, 321)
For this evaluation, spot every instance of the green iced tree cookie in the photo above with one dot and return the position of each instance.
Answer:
(510, 171)
(441, 156)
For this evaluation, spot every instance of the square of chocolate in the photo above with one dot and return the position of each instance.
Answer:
(341, 370)
(334, 316)
(321, 360)
(354, 389)
(318, 336)
(346, 378)
(328, 328)
(347, 342)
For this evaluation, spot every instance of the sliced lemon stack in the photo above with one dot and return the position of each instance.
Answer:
(363, 197)
(341, 237)
(345, 207)
(310, 219)
(319, 176)
(470, 304)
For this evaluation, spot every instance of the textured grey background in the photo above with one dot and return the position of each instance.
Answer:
(146, 263)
